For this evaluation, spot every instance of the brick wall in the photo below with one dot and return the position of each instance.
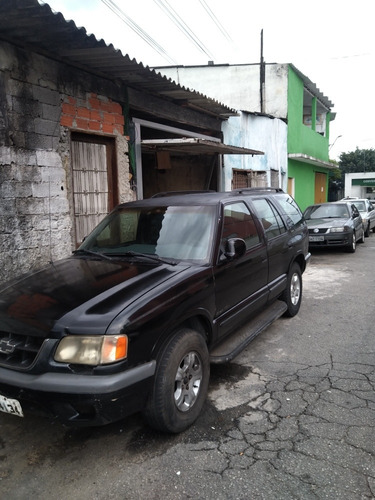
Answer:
(93, 114)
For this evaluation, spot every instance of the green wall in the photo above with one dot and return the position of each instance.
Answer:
(303, 140)
(304, 181)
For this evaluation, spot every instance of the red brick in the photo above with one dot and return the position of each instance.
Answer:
(94, 125)
(107, 128)
(119, 119)
(95, 115)
(94, 103)
(116, 108)
(68, 109)
(66, 121)
(83, 112)
(119, 129)
(108, 118)
(82, 124)
(107, 106)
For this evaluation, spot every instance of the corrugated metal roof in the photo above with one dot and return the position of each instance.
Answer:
(193, 145)
(36, 27)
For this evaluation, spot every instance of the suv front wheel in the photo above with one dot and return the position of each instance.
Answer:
(292, 295)
(180, 384)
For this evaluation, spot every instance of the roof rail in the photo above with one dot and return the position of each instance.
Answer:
(172, 193)
(256, 189)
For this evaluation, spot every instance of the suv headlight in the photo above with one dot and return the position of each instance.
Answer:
(92, 350)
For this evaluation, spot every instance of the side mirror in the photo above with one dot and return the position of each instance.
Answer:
(235, 248)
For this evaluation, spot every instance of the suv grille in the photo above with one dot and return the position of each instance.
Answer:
(321, 231)
(18, 351)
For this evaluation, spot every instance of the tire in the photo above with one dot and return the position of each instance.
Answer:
(292, 295)
(180, 384)
(352, 245)
(367, 232)
(362, 238)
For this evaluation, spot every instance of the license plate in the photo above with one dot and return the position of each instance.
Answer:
(316, 238)
(11, 406)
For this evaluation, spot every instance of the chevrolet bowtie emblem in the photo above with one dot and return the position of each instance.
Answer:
(7, 346)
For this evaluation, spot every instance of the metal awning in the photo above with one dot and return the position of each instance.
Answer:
(194, 145)
(312, 161)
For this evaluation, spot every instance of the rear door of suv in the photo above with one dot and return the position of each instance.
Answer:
(277, 244)
(241, 283)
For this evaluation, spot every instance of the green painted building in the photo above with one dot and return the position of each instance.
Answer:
(309, 117)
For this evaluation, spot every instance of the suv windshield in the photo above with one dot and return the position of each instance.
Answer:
(333, 210)
(174, 232)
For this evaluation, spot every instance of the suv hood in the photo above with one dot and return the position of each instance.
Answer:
(77, 288)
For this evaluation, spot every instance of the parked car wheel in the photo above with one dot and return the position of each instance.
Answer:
(367, 232)
(362, 238)
(292, 295)
(181, 383)
(353, 244)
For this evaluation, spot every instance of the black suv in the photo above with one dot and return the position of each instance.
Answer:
(155, 293)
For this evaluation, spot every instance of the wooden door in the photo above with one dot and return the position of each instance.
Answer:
(320, 187)
(94, 182)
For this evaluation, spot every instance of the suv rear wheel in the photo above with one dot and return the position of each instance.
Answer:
(292, 295)
(181, 383)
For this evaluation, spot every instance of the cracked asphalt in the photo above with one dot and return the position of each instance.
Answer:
(292, 417)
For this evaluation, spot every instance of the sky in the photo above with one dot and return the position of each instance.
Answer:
(332, 42)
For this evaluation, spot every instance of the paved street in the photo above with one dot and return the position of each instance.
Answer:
(292, 417)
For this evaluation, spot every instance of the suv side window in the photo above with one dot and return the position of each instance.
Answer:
(271, 220)
(290, 209)
(239, 223)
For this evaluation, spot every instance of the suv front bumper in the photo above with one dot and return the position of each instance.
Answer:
(80, 399)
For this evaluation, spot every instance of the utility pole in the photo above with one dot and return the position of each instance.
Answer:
(262, 74)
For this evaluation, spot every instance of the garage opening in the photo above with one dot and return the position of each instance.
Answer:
(172, 159)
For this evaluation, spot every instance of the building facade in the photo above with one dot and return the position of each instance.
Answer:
(360, 185)
(283, 114)
(80, 131)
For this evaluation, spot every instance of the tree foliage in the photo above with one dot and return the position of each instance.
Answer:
(360, 160)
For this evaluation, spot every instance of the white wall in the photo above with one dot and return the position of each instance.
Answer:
(237, 86)
(263, 134)
(358, 191)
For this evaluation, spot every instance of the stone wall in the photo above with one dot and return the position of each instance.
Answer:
(36, 214)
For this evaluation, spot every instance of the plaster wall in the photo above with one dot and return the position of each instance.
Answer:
(263, 134)
(237, 86)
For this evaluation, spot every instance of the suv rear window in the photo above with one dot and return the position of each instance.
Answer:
(290, 209)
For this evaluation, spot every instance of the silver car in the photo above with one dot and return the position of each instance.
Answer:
(367, 211)
(335, 224)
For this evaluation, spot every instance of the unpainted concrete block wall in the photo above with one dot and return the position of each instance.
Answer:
(36, 211)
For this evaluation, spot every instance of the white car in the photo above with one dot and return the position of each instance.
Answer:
(367, 211)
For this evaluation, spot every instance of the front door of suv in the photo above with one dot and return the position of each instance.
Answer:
(241, 283)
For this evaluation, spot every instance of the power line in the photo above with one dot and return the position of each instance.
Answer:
(182, 26)
(215, 20)
(138, 30)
